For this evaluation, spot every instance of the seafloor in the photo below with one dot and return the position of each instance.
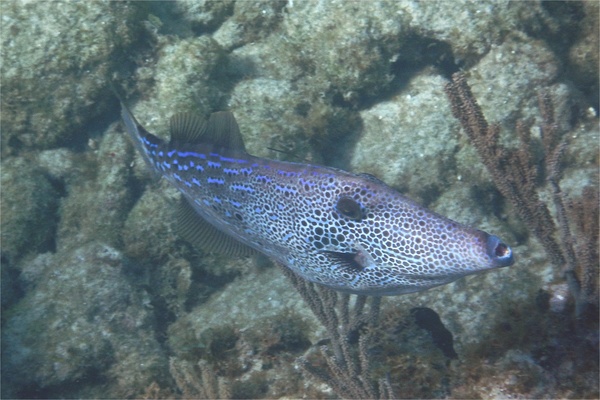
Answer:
(102, 299)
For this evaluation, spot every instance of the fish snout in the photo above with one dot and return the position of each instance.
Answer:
(499, 252)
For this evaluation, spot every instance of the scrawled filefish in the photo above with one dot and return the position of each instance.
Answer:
(350, 232)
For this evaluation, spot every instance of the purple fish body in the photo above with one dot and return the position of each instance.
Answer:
(350, 232)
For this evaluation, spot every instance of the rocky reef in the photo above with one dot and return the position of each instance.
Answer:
(102, 299)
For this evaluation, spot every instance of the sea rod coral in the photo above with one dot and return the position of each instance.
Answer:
(570, 241)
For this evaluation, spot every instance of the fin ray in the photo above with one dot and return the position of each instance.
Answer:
(187, 128)
(196, 230)
(221, 130)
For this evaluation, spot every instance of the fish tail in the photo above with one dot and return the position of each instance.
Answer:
(145, 142)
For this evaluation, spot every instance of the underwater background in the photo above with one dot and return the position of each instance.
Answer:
(102, 299)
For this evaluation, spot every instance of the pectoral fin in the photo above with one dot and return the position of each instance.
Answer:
(196, 230)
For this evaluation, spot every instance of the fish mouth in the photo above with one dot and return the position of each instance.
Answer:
(500, 253)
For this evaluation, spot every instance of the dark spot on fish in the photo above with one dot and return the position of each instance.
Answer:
(349, 208)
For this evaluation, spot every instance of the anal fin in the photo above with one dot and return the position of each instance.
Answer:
(197, 231)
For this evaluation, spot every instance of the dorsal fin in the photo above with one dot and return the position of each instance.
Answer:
(196, 230)
(370, 177)
(187, 128)
(221, 130)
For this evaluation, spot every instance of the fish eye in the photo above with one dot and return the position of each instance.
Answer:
(349, 208)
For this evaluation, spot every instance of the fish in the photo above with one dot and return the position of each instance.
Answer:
(350, 232)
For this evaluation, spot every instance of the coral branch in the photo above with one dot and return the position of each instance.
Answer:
(347, 367)
(515, 175)
(200, 382)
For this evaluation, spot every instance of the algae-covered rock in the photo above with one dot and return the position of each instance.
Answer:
(83, 320)
(96, 205)
(189, 77)
(469, 28)
(260, 130)
(251, 21)
(57, 58)
(28, 204)
(149, 231)
(272, 294)
(60, 164)
(584, 55)
(250, 340)
(516, 68)
(204, 15)
(409, 142)
(352, 52)
(345, 48)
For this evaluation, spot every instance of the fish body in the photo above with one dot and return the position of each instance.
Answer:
(350, 232)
